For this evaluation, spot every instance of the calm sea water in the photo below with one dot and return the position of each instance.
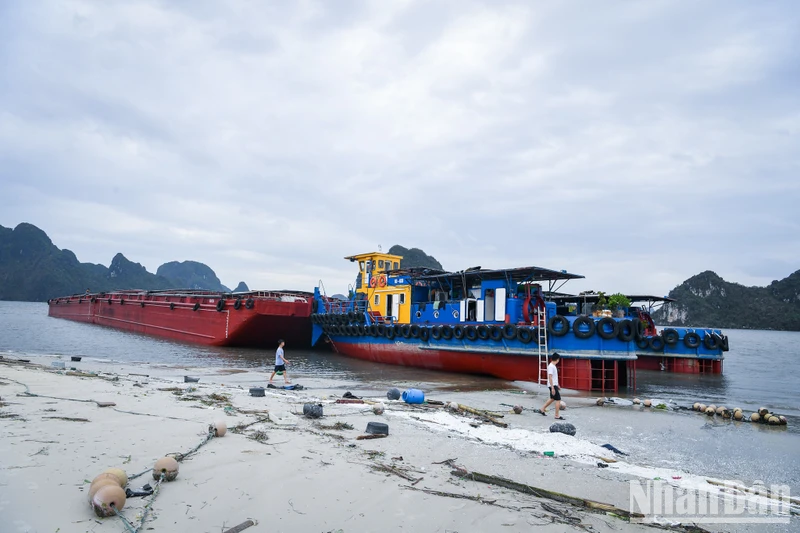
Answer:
(761, 370)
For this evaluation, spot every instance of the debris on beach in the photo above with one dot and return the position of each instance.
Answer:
(393, 394)
(563, 427)
(312, 410)
(378, 408)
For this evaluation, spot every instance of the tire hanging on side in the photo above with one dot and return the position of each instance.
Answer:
(581, 320)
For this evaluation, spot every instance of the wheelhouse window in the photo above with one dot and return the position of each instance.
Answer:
(361, 266)
(377, 299)
(402, 298)
(380, 263)
(396, 265)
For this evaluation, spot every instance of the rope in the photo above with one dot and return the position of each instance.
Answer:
(29, 393)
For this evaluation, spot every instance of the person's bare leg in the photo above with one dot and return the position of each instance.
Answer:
(286, 377)
(547, 404)
(558, 408)
(272, 376)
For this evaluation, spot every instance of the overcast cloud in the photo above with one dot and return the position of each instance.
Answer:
(636, 143)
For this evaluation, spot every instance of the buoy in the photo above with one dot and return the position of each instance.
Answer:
(702, 408)
(636, 401)
(378, 408)
(101, 482)
(393, 394)
(120, 474)
(600, 402)
(738, 415)
(696, 406)
(453, 406)
(726, 414)
(518, 409)
(714, 407)
(220, 428)
(755, 417)
(774, 420)
(167, 466)
(563, 405)
(710, 411)
(648, 403)
(108, 499)
(763, 412)
(721, 409)
(783, 420)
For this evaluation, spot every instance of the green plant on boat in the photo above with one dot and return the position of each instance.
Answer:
(618, 301)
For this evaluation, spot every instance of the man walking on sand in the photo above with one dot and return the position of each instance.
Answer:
(280, 364)
(552, 381)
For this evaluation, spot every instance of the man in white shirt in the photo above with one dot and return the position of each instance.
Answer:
(552, 382)
(280, 364)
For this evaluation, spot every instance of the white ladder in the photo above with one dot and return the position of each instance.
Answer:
(541, 316)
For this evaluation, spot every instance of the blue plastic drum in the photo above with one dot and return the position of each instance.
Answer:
(413, 396)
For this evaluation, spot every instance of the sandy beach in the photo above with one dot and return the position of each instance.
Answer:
(286, 472)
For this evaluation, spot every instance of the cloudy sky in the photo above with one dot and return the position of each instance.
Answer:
(637, 143)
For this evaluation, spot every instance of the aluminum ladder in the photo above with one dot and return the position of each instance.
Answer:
(541, 337)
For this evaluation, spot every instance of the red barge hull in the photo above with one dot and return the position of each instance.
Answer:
(256, 319)
(573, 373)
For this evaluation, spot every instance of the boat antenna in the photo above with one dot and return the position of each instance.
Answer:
(379, 248)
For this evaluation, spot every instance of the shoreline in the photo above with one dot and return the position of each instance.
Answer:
(290, 473)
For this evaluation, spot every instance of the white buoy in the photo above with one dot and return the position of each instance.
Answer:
(636, 401)
(710, 411)
(563, 405)
(220, 428)
(702, 408)
(108, 499)
(738, 415)
(755, 417)
(378, 408)
(167, 466)
(648, 403)
(696, 406)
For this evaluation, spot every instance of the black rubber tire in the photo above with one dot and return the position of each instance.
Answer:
(362, 329)
(509, 332)
(351, 316)
(141, 303)
(424, 334)
(447, 333)
(495, 332)
(390, 333)
(94, 299)
(405, 331)
(238, 304)
(483, 332)
(560, 321)
(220, 304)
(381, 330)
(626, 331)
(249, 303)
(373, 330)
(724, 344)
(601, 325)
(458, 332)
(670, 337)
(109, 301)
(710, 342)
(643, 343)
(657, 343)
(691, 340)
(524, 335)
(362, 318)
(638, 328)
(121, 301)
(470, 333)
(196, 306)
(436, 332)
(413, 331)
(171, 305)
(576, 327)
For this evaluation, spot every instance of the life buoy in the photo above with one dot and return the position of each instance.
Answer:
(605, 323)
(558, 326)
(424, 334)
(657, 343)
(626, 331)
(381, 281)
(220, 304)
(483, 332)
(710, 342)
(413, 331)
(670, 336)
(496, 332)
(458, 332)
(249, 303)
(691, 340)
(447, 333)
(471, 333)
(581, 321)
(529, 307)
(237, 304)
(373, 282)
(196, 306)
(524, 335)
(436, 332)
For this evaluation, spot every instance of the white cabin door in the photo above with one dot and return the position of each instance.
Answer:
(500, 305)
(396, 306)
(462, 310)
(479, 314)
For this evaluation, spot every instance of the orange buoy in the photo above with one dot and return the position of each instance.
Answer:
(107, 500)
(122, 477)
(99, 483)
(167, 466)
